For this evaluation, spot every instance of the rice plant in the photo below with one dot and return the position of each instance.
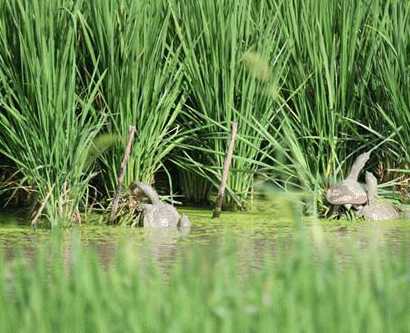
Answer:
(220, 40)
(326, 42)
(311, 84)
(46, 127)
(392, 83)
(328, 117)
(128, 42)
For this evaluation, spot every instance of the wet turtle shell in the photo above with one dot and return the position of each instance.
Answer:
(350, 191)
(160, 215)
(377, 210)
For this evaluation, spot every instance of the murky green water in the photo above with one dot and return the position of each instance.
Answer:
(256, 236)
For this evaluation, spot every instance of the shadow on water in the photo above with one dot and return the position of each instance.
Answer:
(257, 237)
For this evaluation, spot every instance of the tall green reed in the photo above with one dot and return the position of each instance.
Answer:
(129, 41)
(310, 83)
(324, 41)
(46, 127)
(219, 39)
(391, 84)
(331, 59)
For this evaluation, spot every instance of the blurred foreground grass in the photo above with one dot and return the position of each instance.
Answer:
(305, 289)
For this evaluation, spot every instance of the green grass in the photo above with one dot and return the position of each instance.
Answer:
(307, 288)
(46, 125)
(311, 84)
(220, 40)
(128, 43)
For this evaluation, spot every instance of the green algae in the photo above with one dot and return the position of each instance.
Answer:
(254, 232)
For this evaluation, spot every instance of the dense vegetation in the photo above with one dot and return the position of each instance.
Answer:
(311, 83)
(301, 289)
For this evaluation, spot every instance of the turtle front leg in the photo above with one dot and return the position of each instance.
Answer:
(348, 206)
(335, 211)
(359, 209)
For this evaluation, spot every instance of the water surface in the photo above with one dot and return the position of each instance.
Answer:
(257, 236)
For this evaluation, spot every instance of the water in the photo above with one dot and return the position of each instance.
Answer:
(257, 236)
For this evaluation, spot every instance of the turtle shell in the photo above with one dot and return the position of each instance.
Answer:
(347, 192)
(160, 215)
(380, 211)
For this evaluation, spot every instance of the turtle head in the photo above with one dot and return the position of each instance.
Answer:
(362, 159)
(358, 165)
(371, 185)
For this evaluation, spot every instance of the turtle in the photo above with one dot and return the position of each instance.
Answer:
(350, 192)
(377, 210)
(158, 213)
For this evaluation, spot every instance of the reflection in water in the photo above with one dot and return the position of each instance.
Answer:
(257, 238)
(161, 245)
